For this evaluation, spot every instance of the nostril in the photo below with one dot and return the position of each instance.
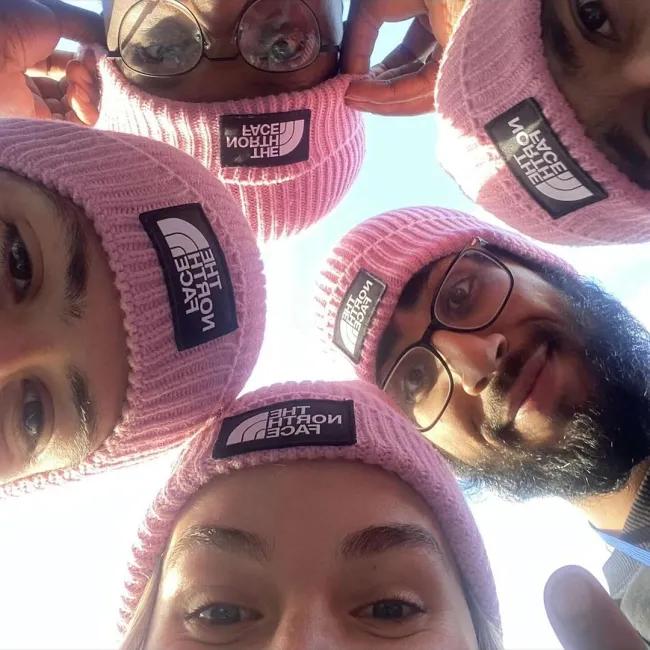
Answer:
(501, 350)
(481, 385)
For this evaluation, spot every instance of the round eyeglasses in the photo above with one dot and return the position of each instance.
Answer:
(163, 38)
(470, 297)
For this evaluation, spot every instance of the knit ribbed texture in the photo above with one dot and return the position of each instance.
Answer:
(495, 60)
(384, 439)
(114, 178)
(280, 200)
(393, 247)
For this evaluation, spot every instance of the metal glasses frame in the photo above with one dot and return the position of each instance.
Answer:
(206, 44)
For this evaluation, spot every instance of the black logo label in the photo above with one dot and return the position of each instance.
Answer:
(198, 282)
(541, 163)
(356, 312)
(266, 140)
(297, 423)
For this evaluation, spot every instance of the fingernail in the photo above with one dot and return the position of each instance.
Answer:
(570, 596)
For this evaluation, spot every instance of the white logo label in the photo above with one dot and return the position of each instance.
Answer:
(197, 269)
(544, 167)
(273, 140)
(282, 422)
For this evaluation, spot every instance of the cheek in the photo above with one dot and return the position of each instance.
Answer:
(455, 433)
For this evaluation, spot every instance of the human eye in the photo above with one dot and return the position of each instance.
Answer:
(223, 615)
(457, 297)
(16, 262)
(417, 382)
(390, 611)
(281, 48)
(593, 17)
(32, 415)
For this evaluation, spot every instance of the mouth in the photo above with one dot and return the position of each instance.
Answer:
(526, 383)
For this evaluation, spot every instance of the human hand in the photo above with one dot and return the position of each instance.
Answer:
(583, 615)
(403, 83)
(32, 73)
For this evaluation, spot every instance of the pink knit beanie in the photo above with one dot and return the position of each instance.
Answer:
(287, 159)
(368, 269)
(514, 144)
(354, 422)
(159, 216)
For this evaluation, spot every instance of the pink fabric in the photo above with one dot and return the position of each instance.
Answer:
(114, 178)
(495, 60)
(384, 439)
(279, 200)
(392, 248)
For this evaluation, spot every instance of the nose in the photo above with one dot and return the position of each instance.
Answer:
(307, 626)
(22, 345)
(475, 359)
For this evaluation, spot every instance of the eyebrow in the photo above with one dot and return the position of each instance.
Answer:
(227, 540)
(85, 409)
(76, 275)
(379, 539)
(385, 350)
(557, 37)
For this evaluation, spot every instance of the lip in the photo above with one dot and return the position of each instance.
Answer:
(525, 385)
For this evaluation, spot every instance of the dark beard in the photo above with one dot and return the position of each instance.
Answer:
(606, 438)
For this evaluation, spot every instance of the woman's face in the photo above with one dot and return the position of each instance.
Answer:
(63, 354)
(220, 80)
(317, 555)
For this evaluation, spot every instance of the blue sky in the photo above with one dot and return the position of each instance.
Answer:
(63, 554)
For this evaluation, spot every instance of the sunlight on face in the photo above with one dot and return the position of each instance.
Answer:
(291, 556)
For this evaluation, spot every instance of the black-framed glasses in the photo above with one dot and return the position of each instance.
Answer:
(470, 297)
(163, 38)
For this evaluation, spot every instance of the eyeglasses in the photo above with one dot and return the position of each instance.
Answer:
(470, 297)
(163, 38)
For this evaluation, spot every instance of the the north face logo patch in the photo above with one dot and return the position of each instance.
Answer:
(296, 423)
(198, 282)
(541, 163)
(356, 312)
(266, 140)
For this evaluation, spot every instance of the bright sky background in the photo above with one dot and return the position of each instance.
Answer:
(63, 553)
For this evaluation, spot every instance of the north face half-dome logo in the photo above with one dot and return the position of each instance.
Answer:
(182, 237)
(266, 140)
(296, 423)
(198, 282)
(355, 313)
(541, 163)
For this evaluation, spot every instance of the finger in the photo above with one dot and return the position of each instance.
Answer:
(77, 24)
(28, 34)
(419, 106)
(409, 68)
(397, 90)
(583, 615)
(53, 66)
(79, 76)
(362, 28)
(417, 45)
(83, 107)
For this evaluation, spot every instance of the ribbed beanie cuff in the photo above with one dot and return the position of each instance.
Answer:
(494, 81)
(376, 435)
(307, 157)
(172, 390)
(368, 269)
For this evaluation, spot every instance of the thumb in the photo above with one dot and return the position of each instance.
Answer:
(77, 24)
(583, 615)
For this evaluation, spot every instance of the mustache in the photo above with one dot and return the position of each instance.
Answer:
(496, 426)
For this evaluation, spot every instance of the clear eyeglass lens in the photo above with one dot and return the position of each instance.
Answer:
(421, 385)
(473, 293)
(279, 36)
(160, 38)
